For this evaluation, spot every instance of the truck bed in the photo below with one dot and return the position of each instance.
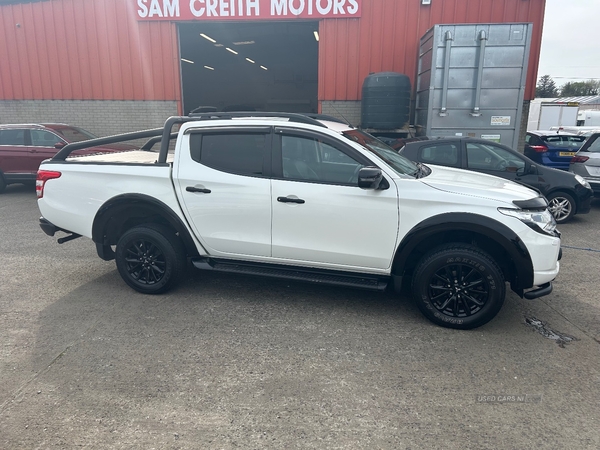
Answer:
(131, 156)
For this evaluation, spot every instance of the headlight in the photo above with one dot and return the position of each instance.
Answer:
(583, 181)
(541, 221)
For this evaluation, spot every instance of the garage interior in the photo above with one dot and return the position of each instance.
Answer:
(264, 66)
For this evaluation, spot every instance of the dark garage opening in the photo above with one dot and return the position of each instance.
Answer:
(266, 66)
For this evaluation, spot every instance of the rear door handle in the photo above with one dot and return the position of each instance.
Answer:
(290, 200)
(198, 189)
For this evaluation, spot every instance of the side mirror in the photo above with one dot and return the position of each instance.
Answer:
(369, 178)
(59, 145)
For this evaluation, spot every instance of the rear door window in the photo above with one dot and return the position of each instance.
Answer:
(243, 153)
(12, 137)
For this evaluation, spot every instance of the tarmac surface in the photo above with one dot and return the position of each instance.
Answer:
(229, 361)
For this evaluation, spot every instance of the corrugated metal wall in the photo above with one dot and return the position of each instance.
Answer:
(97, 49)
(386, 38)
(85, 50)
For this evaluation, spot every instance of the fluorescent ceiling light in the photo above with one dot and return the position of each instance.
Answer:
(249, 60)
(209, 68)
(208, 38)
(219, 45)
(316, 33)
(263, 68)
(187, 61)
(244, 43)
(232, 51)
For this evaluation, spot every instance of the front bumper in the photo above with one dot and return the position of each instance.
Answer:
(544, 289)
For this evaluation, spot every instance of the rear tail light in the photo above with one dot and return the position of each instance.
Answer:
(42, 177)
(579, 159)
(539, 148)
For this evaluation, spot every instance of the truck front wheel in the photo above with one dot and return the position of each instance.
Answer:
(150, 258)
(458, 286)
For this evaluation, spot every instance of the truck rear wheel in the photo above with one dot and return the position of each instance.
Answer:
(150, 258)
(458, 286)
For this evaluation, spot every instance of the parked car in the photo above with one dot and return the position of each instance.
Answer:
(24, 146)
(568, 194)
(586, 162)
(552, 148)
(288, 196)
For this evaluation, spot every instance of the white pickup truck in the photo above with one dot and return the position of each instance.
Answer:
(298, 197)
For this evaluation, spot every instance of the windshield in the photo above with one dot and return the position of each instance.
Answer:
(399, 163)
(74, 134)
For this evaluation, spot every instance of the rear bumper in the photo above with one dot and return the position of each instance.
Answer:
(50, 229)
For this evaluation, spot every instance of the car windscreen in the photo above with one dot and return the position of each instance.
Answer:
(399, 163)
(74, 134)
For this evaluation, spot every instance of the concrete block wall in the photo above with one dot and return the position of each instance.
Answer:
(101, 117)
(345, 110)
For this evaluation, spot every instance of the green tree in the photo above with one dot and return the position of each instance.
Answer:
(546, 88)
(580, 88)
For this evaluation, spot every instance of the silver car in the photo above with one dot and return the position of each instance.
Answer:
(586, 162)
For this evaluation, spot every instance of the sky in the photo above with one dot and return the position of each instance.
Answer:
(571, 41)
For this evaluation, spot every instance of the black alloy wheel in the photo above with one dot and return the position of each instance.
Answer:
(458, 286)
(150, 258)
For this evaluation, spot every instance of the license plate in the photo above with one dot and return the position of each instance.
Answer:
(566, 153)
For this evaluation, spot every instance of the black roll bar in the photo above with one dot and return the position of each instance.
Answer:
(64, 152)
(165, 133)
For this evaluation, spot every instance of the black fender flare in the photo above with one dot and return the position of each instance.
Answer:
(127, 202)
(470, 223)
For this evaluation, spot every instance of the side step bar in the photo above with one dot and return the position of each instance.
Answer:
(330, 277)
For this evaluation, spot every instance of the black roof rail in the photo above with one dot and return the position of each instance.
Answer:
(292, 117)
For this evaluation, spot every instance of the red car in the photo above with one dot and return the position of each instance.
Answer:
(24, 146)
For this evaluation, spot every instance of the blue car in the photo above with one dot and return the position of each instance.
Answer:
(552, 148)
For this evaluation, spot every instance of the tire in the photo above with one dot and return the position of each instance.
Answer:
(2, 183)
(150, 258)
(562, 206)
(458, 286)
